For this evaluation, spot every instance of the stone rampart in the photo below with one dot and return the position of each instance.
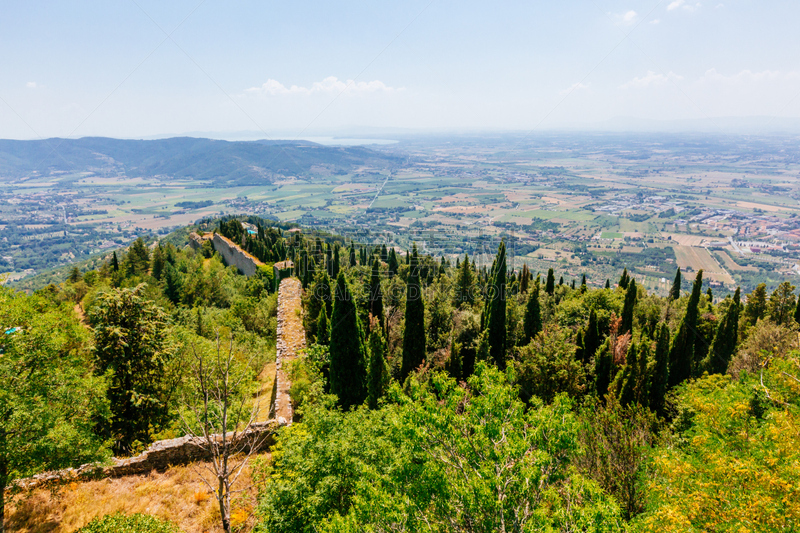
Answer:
(158, 456)
(233, 255)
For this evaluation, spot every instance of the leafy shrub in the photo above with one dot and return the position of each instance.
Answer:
(135, 523)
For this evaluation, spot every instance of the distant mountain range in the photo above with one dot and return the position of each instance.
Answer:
(221, 162)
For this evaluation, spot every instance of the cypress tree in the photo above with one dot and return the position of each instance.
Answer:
(710, 295)
(560, 281)
(352, 255)
(629, 376)
(375, 295)
(532, 323)
(414, 333)
(580, 351)
(336, 265)
(497, 311)
(347, 367)
(591, 338)
(378, 369)
(675, 290)
(627, 309)
(525, 279)
(323, 329)
(583, 283)
(660, 379)
(384, 253)
(681, 356)
(624, 279)
(603, 362)
(464, 284)
(329, 261)
(114, 262)
(797, 312)
(550, 286)
(724, 344)
(455, 363)
(573, 284)
(172, 284)
(393, 264)
(158, 263)
(608, 283)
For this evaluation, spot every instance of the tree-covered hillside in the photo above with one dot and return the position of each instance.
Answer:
(435, 395)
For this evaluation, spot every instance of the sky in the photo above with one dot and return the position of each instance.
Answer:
(141, 68)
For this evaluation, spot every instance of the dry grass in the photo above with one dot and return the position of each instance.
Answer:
(177, 495)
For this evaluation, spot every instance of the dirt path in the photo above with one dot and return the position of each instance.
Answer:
(291, 339)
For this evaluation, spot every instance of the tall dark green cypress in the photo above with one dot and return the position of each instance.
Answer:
(414, 333)
(375, 294)
(532, 323)
(348, 373)
(681, 355)
(629, 376)
(797, 312)
(525, 279)
(114, 262)
(378, 369)
(323, 329)
(393, 263)
(352, 255)
(464, 284)
(335, 269)
(608, 283)
(591, 338)
(660, 378)
(624, 279)
(627, 309)
(724, 344)
(496, 323)
(583, 283)
(675, 290)
(550, 286)
(603, 363)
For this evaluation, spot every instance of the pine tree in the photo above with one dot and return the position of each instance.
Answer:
(375, 295)
(138, 258)
(782, 303)
(323, 329)
(75, 275)
(627, 309)
(675, 290)
(496, 322)
(550, 286)
(660, 379)
(414, 333)
(681, 355)
(347, 367)
(172, 284)
(532, 323)
(378, 368)
(624, 279)
(724, 344)
(591, 338)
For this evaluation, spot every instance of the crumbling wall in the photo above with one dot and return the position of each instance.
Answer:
(291, 338)
(233, 255)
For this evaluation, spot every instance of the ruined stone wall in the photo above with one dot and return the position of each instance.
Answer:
(233, 255)
(158, 456)
(291, 338)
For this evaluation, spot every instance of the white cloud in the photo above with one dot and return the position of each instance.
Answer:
(572, 88)
(651, 79)
(655, 21)
(747, 77)
(31, 85)
(331, 85)
(629, 17)
(682, 4)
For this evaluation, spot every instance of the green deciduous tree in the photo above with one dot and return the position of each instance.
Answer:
(49, 397)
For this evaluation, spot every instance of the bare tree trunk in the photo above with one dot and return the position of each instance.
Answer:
(224, 506)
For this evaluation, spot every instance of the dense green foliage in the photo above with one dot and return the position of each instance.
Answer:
(135, 523)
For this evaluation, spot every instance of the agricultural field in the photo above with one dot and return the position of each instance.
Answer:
(582, 204)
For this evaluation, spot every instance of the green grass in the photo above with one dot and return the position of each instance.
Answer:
(611, 235)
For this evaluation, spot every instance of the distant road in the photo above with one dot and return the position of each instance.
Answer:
(379, 190)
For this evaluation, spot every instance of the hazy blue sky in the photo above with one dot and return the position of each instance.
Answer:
(123, 68)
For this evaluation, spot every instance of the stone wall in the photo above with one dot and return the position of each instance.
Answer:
(159, 456)
(233, 255)
(291, 338)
